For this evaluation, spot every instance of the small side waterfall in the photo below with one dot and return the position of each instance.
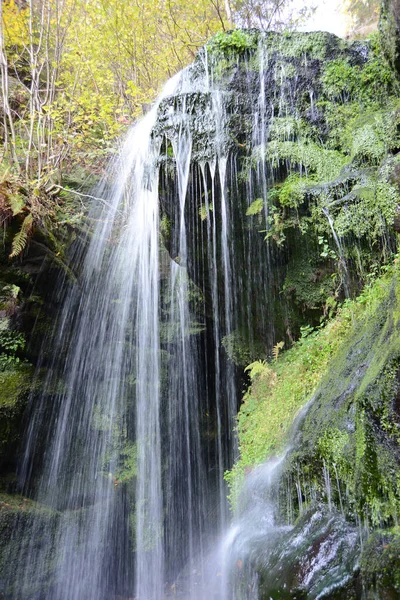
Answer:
(256, 528)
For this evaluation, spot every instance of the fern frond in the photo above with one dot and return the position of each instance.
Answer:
(4, 174)
(255, 207)
(16, 203)
(21, 238)
(257, 368)
(204, 212)
(276, 350)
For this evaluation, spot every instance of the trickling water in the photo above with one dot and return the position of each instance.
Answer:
(342, 260)
(257, 522)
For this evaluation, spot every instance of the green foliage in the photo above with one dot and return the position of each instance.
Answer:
(278, 392)
(351, 427)
(204, 211)
(15, 375)
(340, 80)
(127, 468)
(259, 368)
(291, 192)
(343, 82)
(70, 99)
(255, 207)
(326, 251)
(346, 184)
(307, 283)
(276, 350)
(21, 238)
(332, 447)
(285, 128)
(12, 344)
(15, 384)
(241, 349)
(296, 45)
(380, 563)
(234, 42)
(313, 158)
(15, 381)
(165, 227)
(372, 209)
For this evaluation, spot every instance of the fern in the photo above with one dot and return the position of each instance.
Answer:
(203, 212)
(21, 238)
(255, 207)
(259, 367)
(276, 350)
(16, 204)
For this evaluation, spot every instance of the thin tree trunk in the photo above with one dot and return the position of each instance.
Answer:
(9, 130)
(228, 10)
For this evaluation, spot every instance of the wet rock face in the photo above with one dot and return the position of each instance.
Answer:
(316, 559)
(297, 123)
(289, 119)
(317, 556)
(281, 72)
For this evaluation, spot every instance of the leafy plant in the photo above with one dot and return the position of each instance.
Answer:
(276, 350)
(204, 212)
(255, 207)
(325, 250)
(22, 237)
(12, 343)
(237, 41)
(259, 367)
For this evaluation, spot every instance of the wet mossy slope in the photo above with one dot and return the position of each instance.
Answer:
(341, 479)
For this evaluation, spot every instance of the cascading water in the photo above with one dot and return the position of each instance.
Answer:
(256, 529)
(176, 295)
(124, 467)
(110, 321)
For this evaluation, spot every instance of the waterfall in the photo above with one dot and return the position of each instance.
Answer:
(106, 413)
(133, 431)
(256, 527)
(176, 292)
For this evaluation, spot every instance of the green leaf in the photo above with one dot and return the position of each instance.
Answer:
(255, 207)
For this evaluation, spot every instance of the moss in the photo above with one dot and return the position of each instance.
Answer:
(311, 157)
(15, 380)
(14, 383)
(350, 369)
(284, 70)
(241, 349)
(389, 28)
(345, 447)
(380, 563)
(127, 468)
(20, 512)
(339, 79)
(316, 45)
(342, 81)
(232, 42)
(351, 424)
(277, 393)
(307, 283)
